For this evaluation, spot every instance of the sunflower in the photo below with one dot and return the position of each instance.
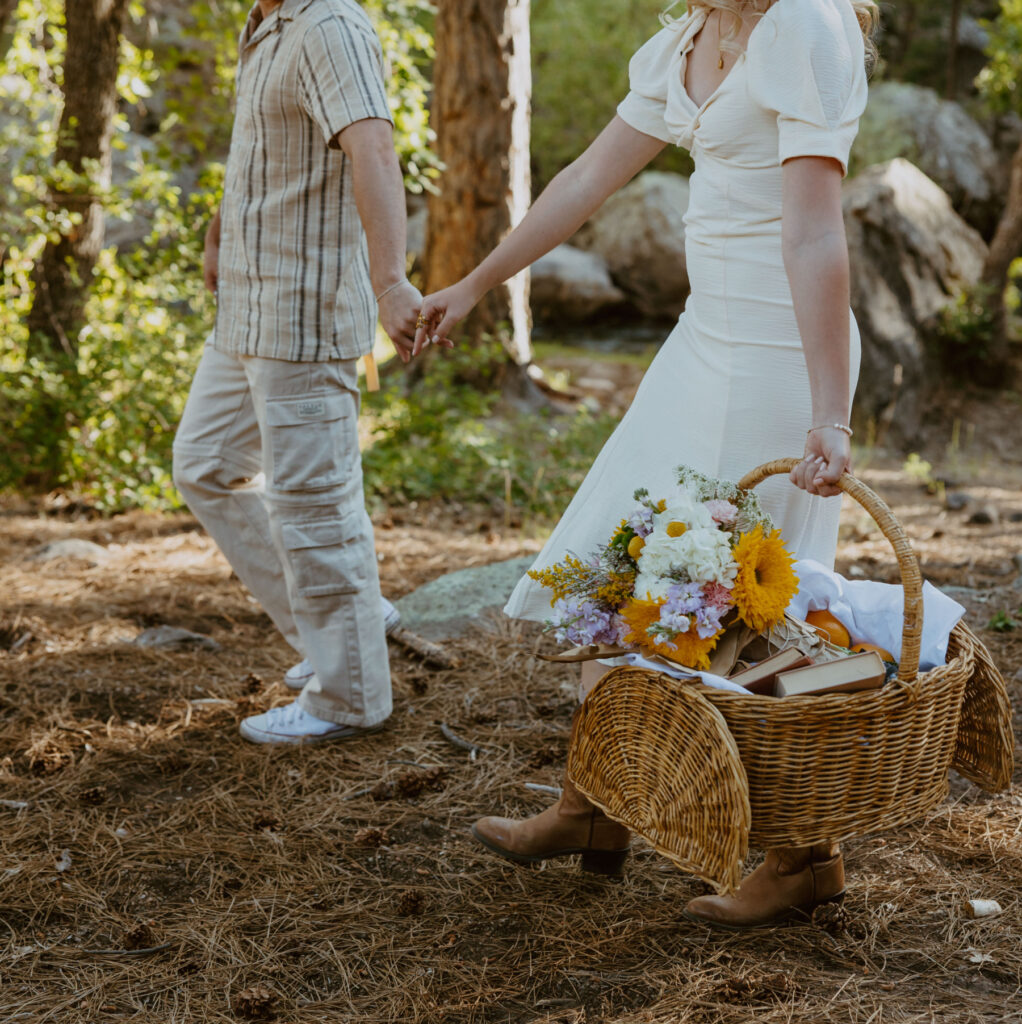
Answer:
(688, 649)
(766, 582)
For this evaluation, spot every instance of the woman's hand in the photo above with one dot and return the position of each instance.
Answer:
(828, 455)
(440, 312)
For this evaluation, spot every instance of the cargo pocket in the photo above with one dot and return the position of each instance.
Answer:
(312, 441)
(326, 556)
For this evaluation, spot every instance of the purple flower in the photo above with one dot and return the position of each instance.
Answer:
(583, 622)
(708, 621)
(641, 521)
(685, 597)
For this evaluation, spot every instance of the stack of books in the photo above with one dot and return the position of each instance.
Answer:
(790, 673)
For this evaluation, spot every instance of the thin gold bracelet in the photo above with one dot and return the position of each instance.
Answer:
(835, 426)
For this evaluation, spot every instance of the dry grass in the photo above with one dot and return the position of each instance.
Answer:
(339, 884)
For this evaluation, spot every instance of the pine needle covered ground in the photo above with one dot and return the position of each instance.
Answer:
(165, 871)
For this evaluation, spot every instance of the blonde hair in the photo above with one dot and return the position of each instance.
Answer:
(866, 12)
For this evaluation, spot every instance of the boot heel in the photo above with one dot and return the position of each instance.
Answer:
(604, 862)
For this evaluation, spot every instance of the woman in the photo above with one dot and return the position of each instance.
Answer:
(767, 96)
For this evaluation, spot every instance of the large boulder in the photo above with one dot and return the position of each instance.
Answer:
(911, 254)
(570, 285)
(941, 139)
(454, 605)
(640, 233)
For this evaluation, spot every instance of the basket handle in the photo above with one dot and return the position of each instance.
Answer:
(911, 577)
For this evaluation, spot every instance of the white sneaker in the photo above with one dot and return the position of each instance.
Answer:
(293, 724)
(298, 675)
(391, 616)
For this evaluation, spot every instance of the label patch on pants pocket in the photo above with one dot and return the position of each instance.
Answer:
(312, 441)
(326, 556)
(311, 409)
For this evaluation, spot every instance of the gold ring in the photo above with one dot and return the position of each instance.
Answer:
(421, 322)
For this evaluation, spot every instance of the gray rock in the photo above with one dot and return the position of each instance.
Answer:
(570, 284)
(911, 254)
(451, 605)
(1017, 560)
(174, 639)
(985, 516)
(72, 547)
(955, 501)
(939, 137)
(640, 233)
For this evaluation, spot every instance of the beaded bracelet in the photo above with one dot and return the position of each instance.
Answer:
(835, 426)
(386, 291)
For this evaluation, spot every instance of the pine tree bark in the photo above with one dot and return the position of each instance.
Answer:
(481, 91)
(63, 273)
(1005, 248)
(6, 24)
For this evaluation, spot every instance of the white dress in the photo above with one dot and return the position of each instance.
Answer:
(729, 389)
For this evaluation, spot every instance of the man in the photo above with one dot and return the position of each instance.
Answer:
(309, 236)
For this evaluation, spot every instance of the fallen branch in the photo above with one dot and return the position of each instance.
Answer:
(431, 653)
(462, 744)
(14, 805)
(538, 788)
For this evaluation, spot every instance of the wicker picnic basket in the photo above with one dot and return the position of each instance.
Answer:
(703, 773)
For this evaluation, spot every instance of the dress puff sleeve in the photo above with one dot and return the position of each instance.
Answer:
(807, 65)
(643, 108)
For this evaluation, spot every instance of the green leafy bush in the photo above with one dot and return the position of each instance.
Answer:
(100, 424)
(580, 54)
(445, 441)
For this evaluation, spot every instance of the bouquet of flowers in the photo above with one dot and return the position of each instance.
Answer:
(675, 574)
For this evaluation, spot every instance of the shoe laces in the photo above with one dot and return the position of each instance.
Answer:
(290, 714)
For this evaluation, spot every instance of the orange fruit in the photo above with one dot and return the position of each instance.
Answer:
(830, 627)
(863, 647)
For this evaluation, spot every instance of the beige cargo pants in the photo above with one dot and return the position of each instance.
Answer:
(267, 458)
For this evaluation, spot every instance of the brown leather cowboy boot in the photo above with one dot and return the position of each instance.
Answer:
(790, 884)
(572, 825)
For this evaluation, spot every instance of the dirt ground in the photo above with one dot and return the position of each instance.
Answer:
(165, 871)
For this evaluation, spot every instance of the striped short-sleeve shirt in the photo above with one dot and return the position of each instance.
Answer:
(294, 266)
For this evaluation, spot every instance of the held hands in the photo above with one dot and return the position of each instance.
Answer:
(828, 455)
(399, 308)
(440, 312)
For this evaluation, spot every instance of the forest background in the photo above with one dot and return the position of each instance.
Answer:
(92, 395)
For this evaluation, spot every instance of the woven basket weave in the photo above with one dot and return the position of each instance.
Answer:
(702, 773)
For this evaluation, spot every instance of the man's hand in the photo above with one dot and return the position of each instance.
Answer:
(399, 309)
(211, 254)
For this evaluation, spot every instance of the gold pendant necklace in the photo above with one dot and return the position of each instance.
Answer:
(720, 63)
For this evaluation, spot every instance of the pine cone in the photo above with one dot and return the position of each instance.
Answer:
(255, 1003)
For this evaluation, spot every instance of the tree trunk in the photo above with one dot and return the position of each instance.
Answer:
(63, 273)
(1005, 247)
(6, 25)
(951, 88)
(481, 89)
